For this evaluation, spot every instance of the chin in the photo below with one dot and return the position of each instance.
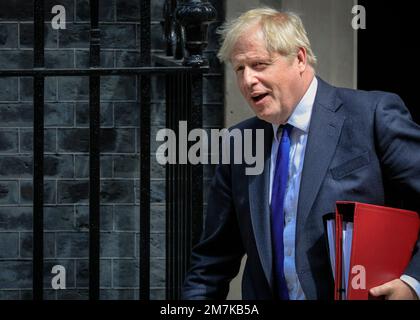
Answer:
(266, 117)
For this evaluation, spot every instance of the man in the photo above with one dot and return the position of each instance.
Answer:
(339, 144)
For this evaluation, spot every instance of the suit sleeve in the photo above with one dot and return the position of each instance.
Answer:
(398, 144)
(216, 259)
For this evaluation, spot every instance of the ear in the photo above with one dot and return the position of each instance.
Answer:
(301, 59)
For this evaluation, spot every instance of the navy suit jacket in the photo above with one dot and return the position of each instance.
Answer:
(362, 146)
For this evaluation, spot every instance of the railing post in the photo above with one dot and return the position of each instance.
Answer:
(185, 181)
(172, 31)
(38, 155)
(145, 88)
(195, 16)
(94, 155)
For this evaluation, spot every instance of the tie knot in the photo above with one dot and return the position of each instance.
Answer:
(285, 128)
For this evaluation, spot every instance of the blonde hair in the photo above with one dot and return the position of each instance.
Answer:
(283, 33)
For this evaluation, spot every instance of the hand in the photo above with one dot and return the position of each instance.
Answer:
(394, 290)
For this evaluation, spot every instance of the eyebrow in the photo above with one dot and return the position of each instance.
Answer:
(254, 59)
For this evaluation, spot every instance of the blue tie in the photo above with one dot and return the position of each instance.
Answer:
(281, 174)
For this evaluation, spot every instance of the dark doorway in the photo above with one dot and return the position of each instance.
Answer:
(387, 54)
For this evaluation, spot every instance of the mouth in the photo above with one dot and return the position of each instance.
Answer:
(259, 98)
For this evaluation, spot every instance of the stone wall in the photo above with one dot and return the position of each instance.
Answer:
(66, 149)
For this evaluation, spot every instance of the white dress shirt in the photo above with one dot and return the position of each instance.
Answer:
(300, 120)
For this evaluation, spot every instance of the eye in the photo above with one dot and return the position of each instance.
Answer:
(260, 65)
(239, 69)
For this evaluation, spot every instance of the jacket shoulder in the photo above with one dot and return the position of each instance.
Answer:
(363, 98)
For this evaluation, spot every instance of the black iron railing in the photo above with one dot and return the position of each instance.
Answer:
(185, 22)
(185, 28)
(38, 152)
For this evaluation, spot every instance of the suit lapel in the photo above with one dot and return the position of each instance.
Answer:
(324, 133)
(258, 188)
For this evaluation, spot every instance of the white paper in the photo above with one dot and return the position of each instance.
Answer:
(331, 243)
(347, 241)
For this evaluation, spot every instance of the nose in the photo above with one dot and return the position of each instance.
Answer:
(249, 77)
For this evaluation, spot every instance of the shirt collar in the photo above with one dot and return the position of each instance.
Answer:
(301, 116)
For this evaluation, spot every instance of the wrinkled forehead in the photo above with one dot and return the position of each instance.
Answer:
(250, 51)
(251, 43)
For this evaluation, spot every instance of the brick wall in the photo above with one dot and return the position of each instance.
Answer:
(66, 145)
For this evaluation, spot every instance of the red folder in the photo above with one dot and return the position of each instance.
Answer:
(382, 244)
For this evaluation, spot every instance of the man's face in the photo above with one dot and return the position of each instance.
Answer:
(271, 83)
